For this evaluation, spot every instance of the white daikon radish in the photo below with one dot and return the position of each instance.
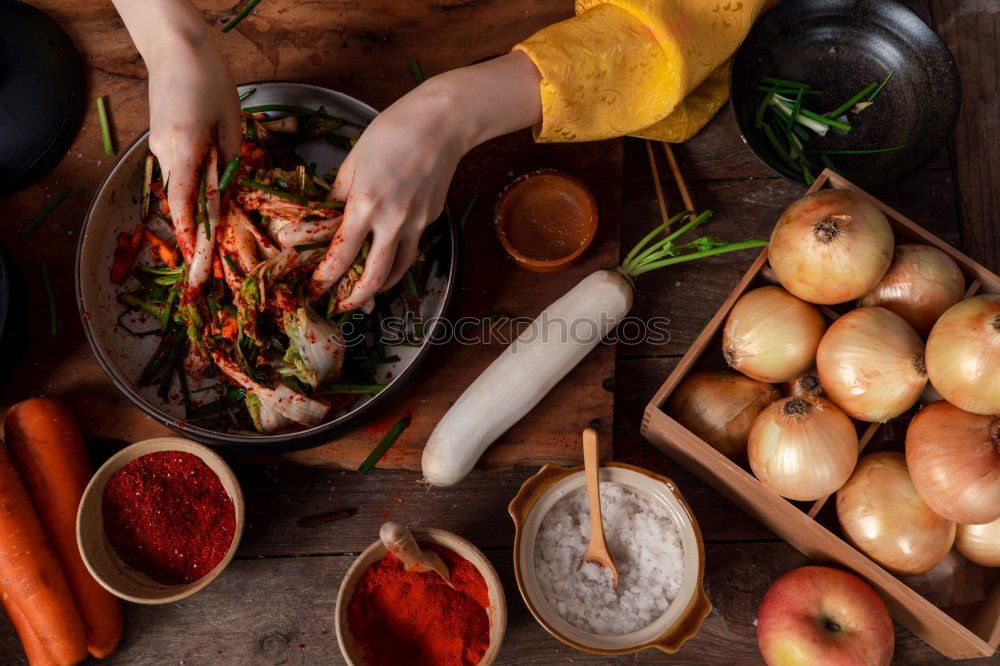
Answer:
(522, 375)
(555, 342)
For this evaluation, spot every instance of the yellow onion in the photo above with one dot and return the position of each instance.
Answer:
(980, 543)
(963, 354)
(954, 459)
(831, 246)
(771, 336)
(871, 364)
(808, 384)
(803, 448)
(720, 407)
(883, 516)
(920, 285)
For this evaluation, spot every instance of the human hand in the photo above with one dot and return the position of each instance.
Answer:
(395, 180)
(393, 183)
(193, 105)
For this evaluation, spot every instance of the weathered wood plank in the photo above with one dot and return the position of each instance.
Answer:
(971, 29)
(280, 611)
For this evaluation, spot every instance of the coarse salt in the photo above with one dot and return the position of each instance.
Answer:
(645, 544)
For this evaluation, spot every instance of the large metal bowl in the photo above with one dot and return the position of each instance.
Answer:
(122, 356)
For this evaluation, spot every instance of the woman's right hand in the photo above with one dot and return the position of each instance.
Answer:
(193, 102)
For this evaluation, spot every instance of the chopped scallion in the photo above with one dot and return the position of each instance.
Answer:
(102, 119)
(44, 213)
(383, 446)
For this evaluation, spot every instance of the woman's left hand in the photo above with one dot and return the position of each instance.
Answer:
(393, 183)
(395, 180)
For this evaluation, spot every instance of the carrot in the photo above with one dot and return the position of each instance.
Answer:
(168, 254)
(126, 253)
(46, 446)
(33, 648)
(230, 327)
(30, 576)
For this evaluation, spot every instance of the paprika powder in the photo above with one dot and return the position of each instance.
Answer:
(167, 515)
(401, 617)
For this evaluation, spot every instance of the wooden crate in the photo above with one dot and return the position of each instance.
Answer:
(959, 632)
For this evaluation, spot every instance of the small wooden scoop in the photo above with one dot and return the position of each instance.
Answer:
(597, 549)
(400, 542)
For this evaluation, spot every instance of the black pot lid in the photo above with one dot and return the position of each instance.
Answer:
(41, 93)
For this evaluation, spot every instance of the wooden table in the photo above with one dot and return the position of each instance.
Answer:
(274, 605)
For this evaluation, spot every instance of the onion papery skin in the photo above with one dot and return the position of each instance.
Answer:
(831, 246)
(871, 364)
(772, 336)
(963, 354)
(954, 459)
(803, 448)
(806, 384)
(980, 543)
(920, 285)
(720, 408)
(883, 516)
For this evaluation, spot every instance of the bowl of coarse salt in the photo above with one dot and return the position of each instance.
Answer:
(660, 601)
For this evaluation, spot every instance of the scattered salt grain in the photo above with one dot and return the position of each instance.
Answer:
(647, 549)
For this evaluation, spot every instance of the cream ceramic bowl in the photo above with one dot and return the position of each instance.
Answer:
(99, 556)
(684, 615)
(498, 603)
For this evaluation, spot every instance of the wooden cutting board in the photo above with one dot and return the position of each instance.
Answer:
(362, 49)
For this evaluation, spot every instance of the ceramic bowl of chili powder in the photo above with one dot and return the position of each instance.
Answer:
(388, 616)
(160, 520)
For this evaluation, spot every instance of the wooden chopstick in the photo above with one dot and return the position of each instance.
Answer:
(681, 185)
(656, 182)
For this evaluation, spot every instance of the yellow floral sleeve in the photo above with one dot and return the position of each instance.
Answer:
(652, 68)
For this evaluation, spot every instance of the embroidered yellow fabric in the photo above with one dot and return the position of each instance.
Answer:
(652, 68)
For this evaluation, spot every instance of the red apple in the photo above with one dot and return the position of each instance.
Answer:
(818, 615)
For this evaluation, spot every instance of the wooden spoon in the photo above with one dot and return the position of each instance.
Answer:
(597, 549)
(400, 542)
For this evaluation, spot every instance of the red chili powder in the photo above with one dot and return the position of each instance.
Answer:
(399, 617)
(167, 515)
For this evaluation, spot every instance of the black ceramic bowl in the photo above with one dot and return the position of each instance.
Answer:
(839, 46)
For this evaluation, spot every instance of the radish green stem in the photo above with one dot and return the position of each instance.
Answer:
(44, 213)
(732, 247)
(843, 108)
(102, 118)
(663, 247)
(652, 234)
